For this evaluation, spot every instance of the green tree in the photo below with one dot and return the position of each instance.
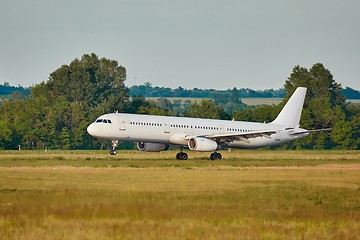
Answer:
(207, 109)
(64, 139)
(91, 81)
(353, 112)
(152, 109)
(60, 109)
(235, 96)
(247, 114)
(265, 113)
(163, 103)
(136, 103)
(342, 134)
(5, 134)
(324, 104)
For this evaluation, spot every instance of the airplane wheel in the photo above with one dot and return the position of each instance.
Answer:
(114, 144)
(181, 156)
(215, 156)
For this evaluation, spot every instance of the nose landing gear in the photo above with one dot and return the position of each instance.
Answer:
(114, 145)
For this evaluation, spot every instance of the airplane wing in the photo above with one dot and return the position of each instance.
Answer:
(243, 136)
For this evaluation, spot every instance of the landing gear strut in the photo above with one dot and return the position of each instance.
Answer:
(215, 156)
(114, 145)
(181, 156)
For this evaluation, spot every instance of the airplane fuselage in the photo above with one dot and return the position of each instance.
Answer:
(177, 130)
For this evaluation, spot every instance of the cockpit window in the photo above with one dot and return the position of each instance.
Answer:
(103, 120)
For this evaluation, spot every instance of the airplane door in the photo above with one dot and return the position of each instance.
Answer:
(167, 127)
(278, 136)
(122, 123)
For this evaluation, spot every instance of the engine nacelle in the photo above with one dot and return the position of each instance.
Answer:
(202, 144)
(152, 147)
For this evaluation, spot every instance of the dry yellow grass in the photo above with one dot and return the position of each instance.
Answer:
(201, 199)
(261, 101)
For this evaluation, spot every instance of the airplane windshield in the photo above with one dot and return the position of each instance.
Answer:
(103, 120)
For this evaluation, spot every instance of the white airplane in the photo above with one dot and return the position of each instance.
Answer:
(156, 133)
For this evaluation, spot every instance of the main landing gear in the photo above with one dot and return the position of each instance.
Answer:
(215, 156)
(184, 156)
(114, 145)
(181, 156)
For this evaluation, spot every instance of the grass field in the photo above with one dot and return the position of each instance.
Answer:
(261, 101)
(173, 99)
(357, 101)
(135, 195)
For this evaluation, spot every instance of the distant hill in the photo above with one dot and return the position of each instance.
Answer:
(350, 93)
(6, 90)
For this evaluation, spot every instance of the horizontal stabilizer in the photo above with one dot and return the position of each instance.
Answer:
(310, 131)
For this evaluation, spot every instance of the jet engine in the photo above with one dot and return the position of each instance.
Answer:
(152, 147)
(202, 144)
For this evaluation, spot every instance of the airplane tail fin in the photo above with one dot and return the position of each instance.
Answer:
(291, 112)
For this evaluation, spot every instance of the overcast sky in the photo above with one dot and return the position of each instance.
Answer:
(189, 43)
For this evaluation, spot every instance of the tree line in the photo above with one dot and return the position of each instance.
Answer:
(56, 113)
(147, 90)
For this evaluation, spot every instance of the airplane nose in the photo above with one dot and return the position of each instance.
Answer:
(91, 129)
